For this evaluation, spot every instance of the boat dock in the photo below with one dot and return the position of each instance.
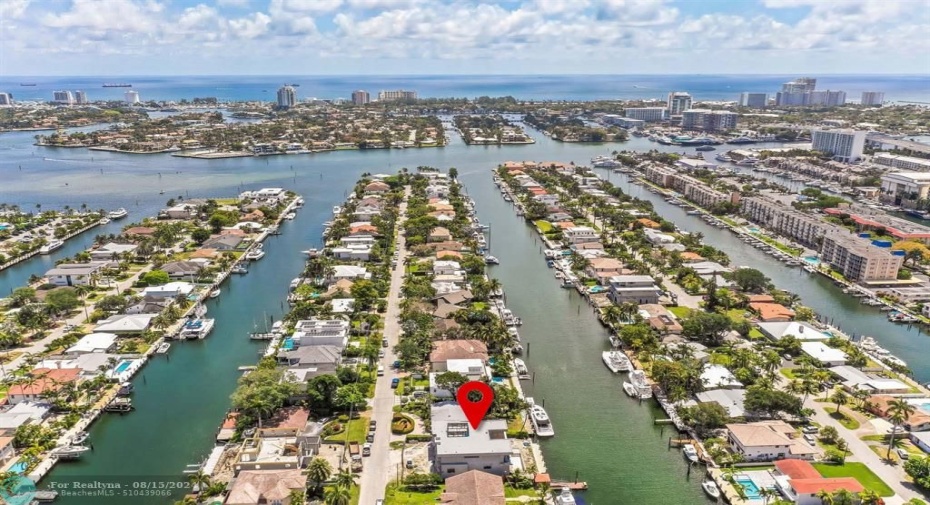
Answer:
(574, 486)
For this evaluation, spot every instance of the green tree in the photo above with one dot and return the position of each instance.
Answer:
(338, 496)
(451, 381)
(750, 280)
(918, 468)
(318, 472)
(23, 296)
(62, 300)
(761, 399)
(705, 417)
(899, 411)
(200, 235)
(156, 278)
(345, 478)
(708, 328)
(829, 434)
(839, 398)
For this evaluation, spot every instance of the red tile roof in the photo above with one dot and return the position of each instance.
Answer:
(797, 469)
(814, 486)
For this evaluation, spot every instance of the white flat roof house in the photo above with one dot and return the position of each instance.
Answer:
(95, 342)
(321, 332)
(125, 323)
(633, 288)
(797, 329)
(107, 251)
(460, 448)
(170, 290)
(350, 272)
(73, 274)
(718, 377)
(824, 353)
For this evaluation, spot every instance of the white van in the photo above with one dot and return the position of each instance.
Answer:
(380, 370)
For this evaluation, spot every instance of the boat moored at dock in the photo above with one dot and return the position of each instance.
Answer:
(542, 425)
(196, 329)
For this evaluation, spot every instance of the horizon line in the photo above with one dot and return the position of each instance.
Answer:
(6, 76)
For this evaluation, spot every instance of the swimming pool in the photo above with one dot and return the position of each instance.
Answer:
(19, 467)
(813, 260)
(749, 487)
(753, 229)
(122, 366)
(288, 344)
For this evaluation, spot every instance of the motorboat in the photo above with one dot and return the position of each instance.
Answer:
(312, 252)
(337, 210)
(604, 162)
(516, 349)
(491, 260)
(119, 213)
(541, 422)
(630, 390)
(710, 487)
(69, 452)
(565, 497)
(705, 148)
(299, 202)
(616, 361)
(125, 389)
(290, 215)
(51, 245)
(690, 453)
(119, 405)
(295, 282)
(197, 328)
(641, 384)
(163, 348)
(79, 438)
(255, 255)
(239, 269)
(104, 220)
(520, 368)
(215, 293)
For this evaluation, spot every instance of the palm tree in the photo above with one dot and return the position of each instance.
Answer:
(766, 493)
(839, 398)
(898, 412)
(869, 497)
(298, 497)
(318, 472)
(8, 481)
(345, 478)
(843, 497)
(338, 496)
(199, 480)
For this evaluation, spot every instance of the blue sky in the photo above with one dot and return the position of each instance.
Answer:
(194, 37)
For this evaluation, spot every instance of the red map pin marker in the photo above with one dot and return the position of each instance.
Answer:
(475, 410)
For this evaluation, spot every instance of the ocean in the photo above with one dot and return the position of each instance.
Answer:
(913, 88)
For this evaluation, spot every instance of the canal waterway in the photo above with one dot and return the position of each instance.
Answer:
(609, 440)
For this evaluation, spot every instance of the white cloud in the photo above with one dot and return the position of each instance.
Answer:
(250, 27)
(119, 15)
(233, 3)
(12, 9)
(197, 17)
(289, 7)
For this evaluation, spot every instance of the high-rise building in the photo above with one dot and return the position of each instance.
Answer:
(872, 98)
(843, 145)
(80, 97)
(753, 100)
(287, 97)
(828, 98)
(708, 120)
(645, 113)
(63, 97)
(800, 85)
(792, 98)
(678, 102)
(131, 97)
(857, 259)
(360, 97)
(6, 99)
(396, 95)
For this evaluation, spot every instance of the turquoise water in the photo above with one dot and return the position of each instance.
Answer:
(754, 229)
(19, 467)
(123, 366)
(813, 260)
(749, 487)
(288, 344)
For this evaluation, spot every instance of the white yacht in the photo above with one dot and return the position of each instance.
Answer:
(638, 386)
(565, 497)
(70, 451)
(163, 348)
(690, 452)
(616, 361)
(520, 367)
(79, 438)
(104, 220)
(239, 268)
(541, 423)
(299, 202)
(215, 293)
(197, 328)
(604, 162)
(710, 487)
(119, 213)
(290, 215)
(336, 211)
(51, 245)
(491, 260)
(255, 255)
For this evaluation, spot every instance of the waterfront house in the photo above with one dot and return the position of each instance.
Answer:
(718, 377)
(458, 448)
(853, 379)
(25, 412)
(342, 305)
(661, 320)
(310, 356)
(74, 274)
(771, 312)
(658, 238)
(767, 441)
(333, 332)
(797, 329)
(472, 369)
(580, 235)
(362, 228)
(170, 290)
(353, 252)
(633, 288)
(125, 324)
(439, 234)
(823, 353)
(447, 268)
(111, 250)
(181, 211)
(139, 231)
(94, 342)
(603, 269)
(880, 404)
(182, 269)
(285, 422)
(858, 259)
(223, 242)
(473, 488)
(255, 487)
(445, 350)
(730, 399)
(377, 187)
(455, 297)
(47, 380)
(801, 483)
(149, 305)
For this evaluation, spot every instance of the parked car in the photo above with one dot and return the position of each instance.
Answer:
(396, 364)
(372, 423)
(370, 438)
(380, 370)
(381, 353)
(366, 449)
(395, 382)
(409, 463)
(902, 453)
(384, 342)
(811, 440)
(810, 430)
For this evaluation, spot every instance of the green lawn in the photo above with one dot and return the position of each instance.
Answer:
(847, 421)
(544, 226)
(358, 430)
(354, 493)
(680, 312)
(788, 373)
(510, 492)
(736, 315)
(755, 334)
(394, 496)
(859, 472)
